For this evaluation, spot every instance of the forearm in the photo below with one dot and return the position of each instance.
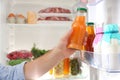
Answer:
(41, 65)
(38, 67)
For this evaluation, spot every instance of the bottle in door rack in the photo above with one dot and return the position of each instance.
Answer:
(90, 36)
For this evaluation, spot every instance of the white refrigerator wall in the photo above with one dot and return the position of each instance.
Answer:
(3, 31)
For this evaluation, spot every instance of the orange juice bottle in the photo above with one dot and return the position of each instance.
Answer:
(90, 36)
(66, 66)
(79, 29)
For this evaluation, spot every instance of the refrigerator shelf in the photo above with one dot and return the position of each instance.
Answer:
(69, 77)
(45, 23)
(106, 62)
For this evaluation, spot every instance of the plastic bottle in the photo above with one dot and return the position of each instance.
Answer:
(94, 73)
(97, 45)
(79, 29)
(110, 48)
(90, 36)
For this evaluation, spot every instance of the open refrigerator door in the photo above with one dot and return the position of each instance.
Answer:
(107, 60)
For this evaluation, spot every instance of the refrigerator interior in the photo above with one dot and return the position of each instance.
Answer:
(44, 34)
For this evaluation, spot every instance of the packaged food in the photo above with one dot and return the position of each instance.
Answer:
(66, 68)
(58, 70)
(54, 18)
(11, 18)
(31, 17)
(76, 39)
(75, 64)
(20, 19)
(55, 10)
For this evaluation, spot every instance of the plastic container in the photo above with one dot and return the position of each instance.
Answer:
(79, 29)
(20, 19)
(11, 18)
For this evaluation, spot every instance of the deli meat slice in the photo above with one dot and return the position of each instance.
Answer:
(54, 10)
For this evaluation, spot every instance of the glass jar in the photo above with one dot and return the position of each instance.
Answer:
(75, 64)
(58, 70)
(90, 36)
(66, 67)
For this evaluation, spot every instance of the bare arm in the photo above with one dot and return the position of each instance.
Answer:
(38, 67)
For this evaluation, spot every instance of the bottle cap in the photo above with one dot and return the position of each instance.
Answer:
(90, 24)
(82, 9)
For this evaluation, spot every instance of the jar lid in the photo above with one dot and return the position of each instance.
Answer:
(90, 24)
(111, 28)
(81, 9)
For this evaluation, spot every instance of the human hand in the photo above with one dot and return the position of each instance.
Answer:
(62, 46)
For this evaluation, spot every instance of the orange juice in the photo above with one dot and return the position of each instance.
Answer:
(76, 39)
(90, 36)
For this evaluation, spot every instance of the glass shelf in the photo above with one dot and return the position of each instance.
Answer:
(107, 62)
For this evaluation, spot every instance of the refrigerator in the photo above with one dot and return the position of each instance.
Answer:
(46, 34)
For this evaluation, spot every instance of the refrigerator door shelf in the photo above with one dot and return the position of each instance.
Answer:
(105, 62)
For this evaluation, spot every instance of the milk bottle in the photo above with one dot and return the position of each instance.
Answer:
(110, 48)
(97, 46)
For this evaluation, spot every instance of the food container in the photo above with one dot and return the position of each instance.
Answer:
(58, 70)
(11, 18)
(20, 19)
(75, 64)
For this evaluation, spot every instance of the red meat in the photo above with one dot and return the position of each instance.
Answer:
(55, 18)
(55, 10)
(23, 54)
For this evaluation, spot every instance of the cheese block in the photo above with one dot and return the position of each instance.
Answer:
(31, 17)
